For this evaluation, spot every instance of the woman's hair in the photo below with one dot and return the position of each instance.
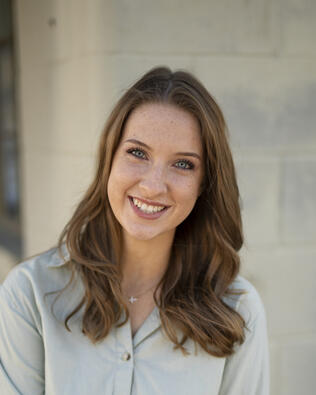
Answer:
(204, 257)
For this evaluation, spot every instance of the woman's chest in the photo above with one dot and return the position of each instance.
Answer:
(120, 364)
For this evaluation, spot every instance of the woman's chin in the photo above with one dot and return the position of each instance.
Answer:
(142, 234)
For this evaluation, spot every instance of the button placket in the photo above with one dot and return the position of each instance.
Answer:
(125, 368)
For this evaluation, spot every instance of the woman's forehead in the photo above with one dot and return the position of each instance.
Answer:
(158, 123)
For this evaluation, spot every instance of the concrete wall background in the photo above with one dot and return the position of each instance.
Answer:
(258, 59)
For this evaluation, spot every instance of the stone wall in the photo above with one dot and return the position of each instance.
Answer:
(258, 59)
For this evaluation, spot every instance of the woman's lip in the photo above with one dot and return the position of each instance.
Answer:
(142, 214)
(149, 202)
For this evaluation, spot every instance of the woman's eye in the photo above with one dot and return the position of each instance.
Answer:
(137, 152)
(185, 164)
(181, 164)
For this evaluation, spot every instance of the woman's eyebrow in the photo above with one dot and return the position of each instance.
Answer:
(147, 146)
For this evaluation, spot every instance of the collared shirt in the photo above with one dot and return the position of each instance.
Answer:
(38, 355)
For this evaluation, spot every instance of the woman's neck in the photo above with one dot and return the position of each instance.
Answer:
(144, 262)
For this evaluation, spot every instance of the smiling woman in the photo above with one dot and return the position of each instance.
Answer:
(147, 269)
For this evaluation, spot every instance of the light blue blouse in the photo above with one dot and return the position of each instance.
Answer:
(38, 355)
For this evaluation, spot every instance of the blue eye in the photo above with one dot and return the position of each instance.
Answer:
(186, 164)
(136, 152)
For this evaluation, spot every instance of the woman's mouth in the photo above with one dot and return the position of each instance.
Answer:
(146, 210)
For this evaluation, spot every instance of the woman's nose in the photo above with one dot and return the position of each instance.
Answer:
(154, 182)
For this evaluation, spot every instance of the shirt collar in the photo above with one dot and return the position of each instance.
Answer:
(151, 324)
(56, 260)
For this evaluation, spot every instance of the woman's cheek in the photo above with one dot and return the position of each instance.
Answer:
(188, 185)
(131, 170)
(136, 165)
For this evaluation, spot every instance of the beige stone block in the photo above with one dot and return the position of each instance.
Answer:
(53, 184)
(56, 107)
(184, 27)
(298, 27)
(56, 30)
(36, 38)
(258, 181)
(285, 279)
(36, 108)
(298, 210)
(298, 361)
(268, 103)
(51, 30)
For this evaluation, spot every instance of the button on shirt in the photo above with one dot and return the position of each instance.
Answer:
(38, 355)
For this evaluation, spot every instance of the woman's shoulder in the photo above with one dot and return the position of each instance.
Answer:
(245, 299)
(32, 286)
(37, 273)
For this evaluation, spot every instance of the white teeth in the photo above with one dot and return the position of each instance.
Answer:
(149, 209)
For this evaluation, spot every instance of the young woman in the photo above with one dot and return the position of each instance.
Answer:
(149, 299)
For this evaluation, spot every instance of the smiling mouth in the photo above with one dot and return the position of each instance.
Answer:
(147, 208)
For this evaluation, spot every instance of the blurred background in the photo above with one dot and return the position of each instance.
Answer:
(63, 64)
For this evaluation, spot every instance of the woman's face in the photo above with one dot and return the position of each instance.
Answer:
(156, 171)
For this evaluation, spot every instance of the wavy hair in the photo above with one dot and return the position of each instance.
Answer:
(204, 258)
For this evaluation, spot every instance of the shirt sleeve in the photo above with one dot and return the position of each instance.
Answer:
(21, 346)
(247, 370)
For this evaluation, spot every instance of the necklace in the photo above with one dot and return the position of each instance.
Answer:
(132, 299)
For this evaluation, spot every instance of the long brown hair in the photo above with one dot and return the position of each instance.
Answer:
(204, 258)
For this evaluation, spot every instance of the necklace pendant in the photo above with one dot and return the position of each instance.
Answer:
(132, 299)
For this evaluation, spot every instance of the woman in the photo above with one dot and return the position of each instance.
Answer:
(149, 298)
